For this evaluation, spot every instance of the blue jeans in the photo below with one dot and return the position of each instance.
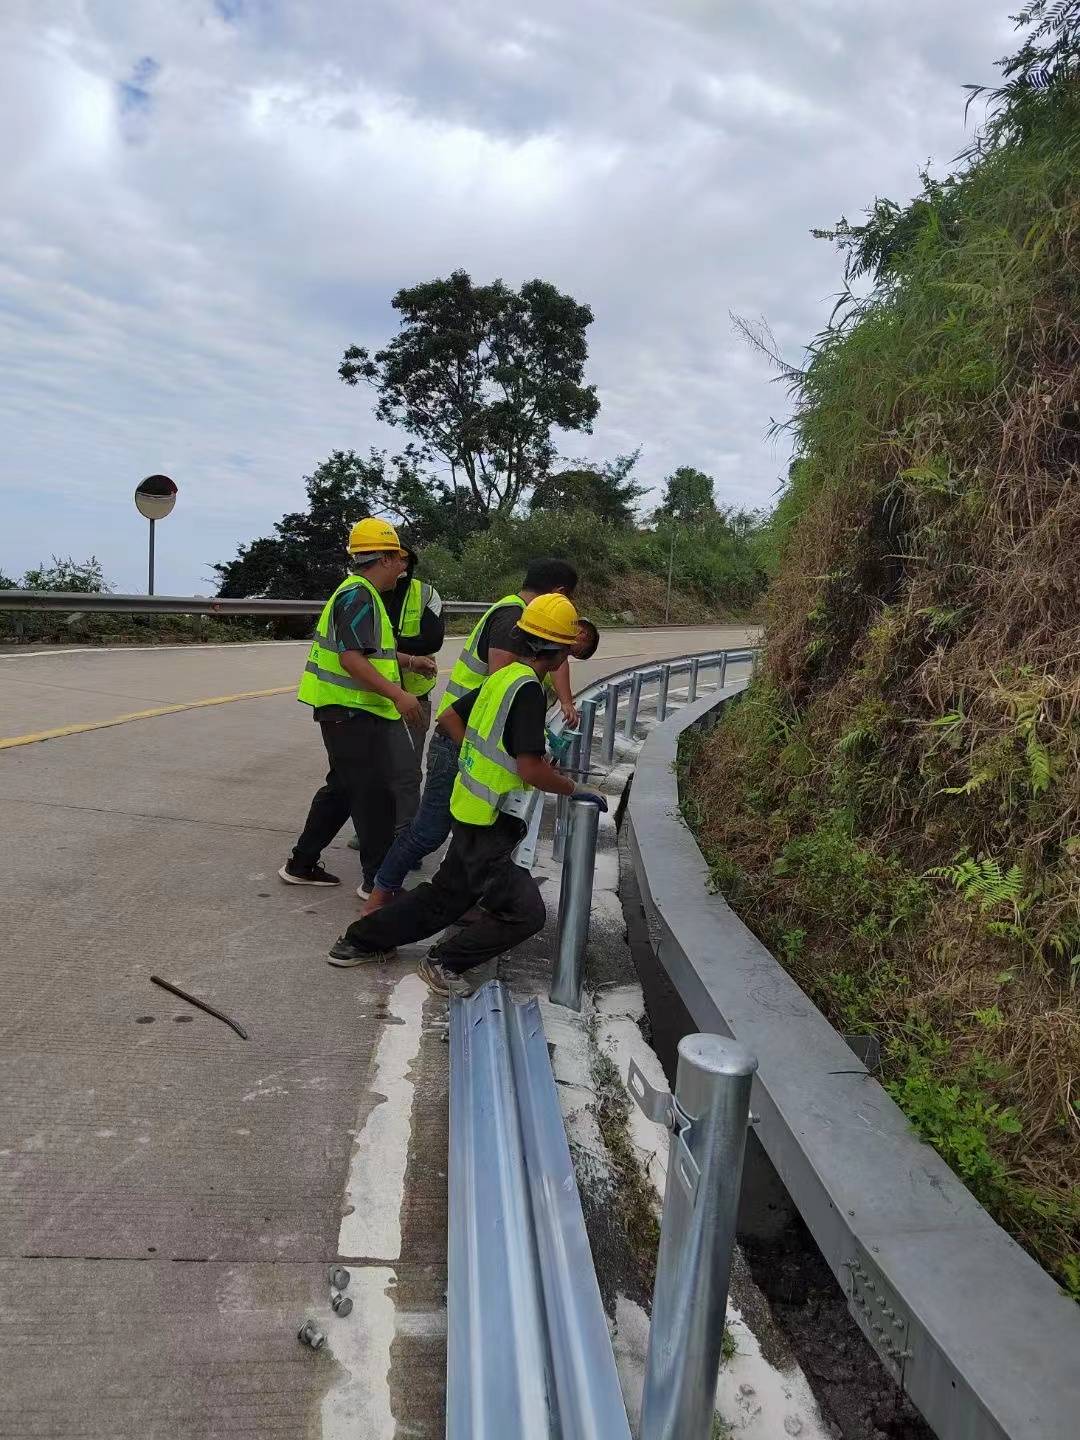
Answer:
(431, 824)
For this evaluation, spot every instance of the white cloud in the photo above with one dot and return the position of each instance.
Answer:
(182, 261)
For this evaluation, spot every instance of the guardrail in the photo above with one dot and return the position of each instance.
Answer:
(528, 1352)
(973, 1330)
(75, 603)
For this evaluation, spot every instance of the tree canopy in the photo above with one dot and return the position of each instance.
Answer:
(480, 375)
(606, 491)
(688, 495)
(305, 557)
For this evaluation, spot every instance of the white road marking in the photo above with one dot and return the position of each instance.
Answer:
(375, 1188)
(359, 1403)
(194, 649)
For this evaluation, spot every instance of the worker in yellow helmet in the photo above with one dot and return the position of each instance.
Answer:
(353, 682)
(499, 727)
(415, 610)
(485, 650)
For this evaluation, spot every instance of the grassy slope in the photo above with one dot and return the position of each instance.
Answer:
(906, 771)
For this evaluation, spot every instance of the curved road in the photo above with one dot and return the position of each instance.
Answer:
(169, 1194)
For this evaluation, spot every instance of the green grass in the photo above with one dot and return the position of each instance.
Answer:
(893, 805)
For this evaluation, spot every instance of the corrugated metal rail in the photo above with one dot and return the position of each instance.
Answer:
(75, 603)
(529, 1355)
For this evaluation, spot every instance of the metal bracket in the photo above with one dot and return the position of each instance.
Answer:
(687, 1170)
(880, 1313)
(656, 1105)
(663, 1109)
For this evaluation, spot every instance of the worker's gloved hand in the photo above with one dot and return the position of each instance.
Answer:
(594, 797)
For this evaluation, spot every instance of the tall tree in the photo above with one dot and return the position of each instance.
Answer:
(305, 557)
(480, 375)
(688, 496)
(605, 490)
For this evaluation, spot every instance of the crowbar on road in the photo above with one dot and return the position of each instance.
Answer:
(201, 1005)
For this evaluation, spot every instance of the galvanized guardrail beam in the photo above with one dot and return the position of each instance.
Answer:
(528, 1352)
(974, 1331)
(72, 602)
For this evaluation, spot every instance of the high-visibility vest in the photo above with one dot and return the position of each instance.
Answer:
(470, 671)
(415, 603)
(487, 773)
(325, 681)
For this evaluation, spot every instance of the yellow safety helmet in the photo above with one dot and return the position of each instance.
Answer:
(551, 618)
(368, 537)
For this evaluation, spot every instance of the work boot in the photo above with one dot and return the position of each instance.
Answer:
(344, 954)
(442, 981)
(294, 874)
(376, 899)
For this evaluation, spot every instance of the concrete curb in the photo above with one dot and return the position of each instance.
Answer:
(975, 1332)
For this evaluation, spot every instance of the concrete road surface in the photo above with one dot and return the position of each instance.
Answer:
(171, 1195)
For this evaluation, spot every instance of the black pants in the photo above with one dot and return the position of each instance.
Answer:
(372, 778)
(477, 869)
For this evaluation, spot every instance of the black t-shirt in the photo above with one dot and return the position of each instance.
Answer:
(355, 627)
(496, 630)
(354, 621)
(524, 733)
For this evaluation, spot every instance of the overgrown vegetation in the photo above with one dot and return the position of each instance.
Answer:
(28, 627)
(585, 513)
(895, 806)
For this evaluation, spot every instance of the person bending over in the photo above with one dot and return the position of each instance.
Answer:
(500, 730)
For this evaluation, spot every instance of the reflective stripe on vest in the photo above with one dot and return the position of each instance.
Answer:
(487, 774)
(325, 680)
(470, 672)
(415, 603)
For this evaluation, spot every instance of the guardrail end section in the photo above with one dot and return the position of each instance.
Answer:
(528, 1352)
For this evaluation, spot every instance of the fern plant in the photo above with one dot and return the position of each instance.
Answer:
(984, 882)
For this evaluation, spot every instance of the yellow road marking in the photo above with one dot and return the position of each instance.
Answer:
(61, 731)
(58, 734)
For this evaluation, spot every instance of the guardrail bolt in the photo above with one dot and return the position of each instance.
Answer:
(341, 1305)
(309, 1334)
(339, 1277)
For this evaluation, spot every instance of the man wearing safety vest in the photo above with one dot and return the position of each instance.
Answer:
(353, 682)
(415, 611)
(499, 727)
(486, 649)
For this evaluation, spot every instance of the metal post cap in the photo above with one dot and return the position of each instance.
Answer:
(717, 1054)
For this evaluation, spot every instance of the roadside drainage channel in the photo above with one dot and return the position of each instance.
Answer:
(963, 1320)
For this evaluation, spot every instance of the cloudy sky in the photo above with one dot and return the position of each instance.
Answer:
(204, 201)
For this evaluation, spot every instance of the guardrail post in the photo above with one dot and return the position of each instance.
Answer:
(575, 903)
(701, 1200)
(587, 723)
(721, 674)
(611, 716)
(661, 693)
(691, 684)
(630, 724)
(562, 813)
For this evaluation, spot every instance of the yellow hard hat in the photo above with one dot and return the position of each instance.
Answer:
(369, 536)
(551, 618)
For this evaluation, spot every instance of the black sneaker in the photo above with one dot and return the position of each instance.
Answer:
(294, 874)
(344, 954)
